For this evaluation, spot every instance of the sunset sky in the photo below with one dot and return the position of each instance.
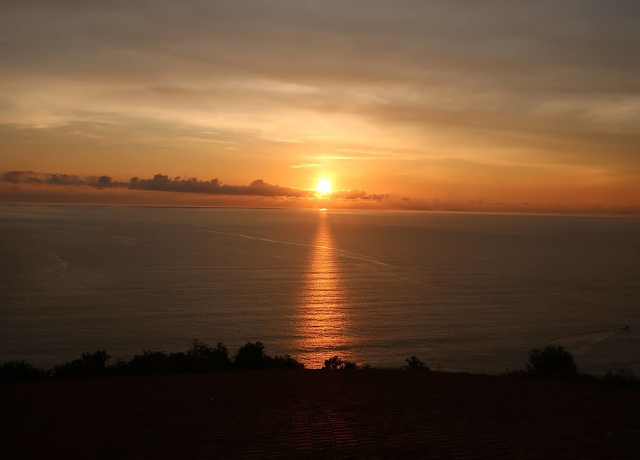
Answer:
(475, 105)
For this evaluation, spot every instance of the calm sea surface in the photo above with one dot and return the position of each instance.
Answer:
(463, 292)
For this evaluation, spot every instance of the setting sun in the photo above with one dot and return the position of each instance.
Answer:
(324, 186)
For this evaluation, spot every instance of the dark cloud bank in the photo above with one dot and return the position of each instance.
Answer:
(162, 183)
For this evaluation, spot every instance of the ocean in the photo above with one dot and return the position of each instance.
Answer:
(462, 292)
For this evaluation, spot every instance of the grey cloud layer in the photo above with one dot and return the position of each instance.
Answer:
(163, 183)
(491, 43)
(501, 72)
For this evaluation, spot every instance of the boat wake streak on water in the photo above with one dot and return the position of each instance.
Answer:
(583, 341)
(60, 264)
(340, 252)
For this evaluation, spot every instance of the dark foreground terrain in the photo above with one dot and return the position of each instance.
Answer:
(302, 414)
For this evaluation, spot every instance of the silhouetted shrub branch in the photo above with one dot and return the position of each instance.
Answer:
(252, 356)
(554, 362)
(21, 371)
(336, 362)
(414, 364)
(623, 376)
(89, 365)
(551, 361)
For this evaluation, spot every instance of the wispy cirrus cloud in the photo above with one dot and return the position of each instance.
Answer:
(85, 134)
(305, 165)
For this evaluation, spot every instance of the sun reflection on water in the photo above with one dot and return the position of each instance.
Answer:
(322, 319)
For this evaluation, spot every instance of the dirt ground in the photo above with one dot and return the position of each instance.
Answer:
(318, 414)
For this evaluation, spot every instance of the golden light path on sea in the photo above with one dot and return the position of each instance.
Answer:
(322, 319)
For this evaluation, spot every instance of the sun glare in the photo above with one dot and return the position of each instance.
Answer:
(324, 186)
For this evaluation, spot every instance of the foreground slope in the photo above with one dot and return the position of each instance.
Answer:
(303, 414)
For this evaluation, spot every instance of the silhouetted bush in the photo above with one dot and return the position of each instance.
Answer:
(149, 362)
(200, 358)
(253, 356)
(250, 356)
(414, 364)
(21, 371)
(515, 373)
(89, 365)
(283, 362)
(551, 362)
(206, 358)
(97, 360)
(624, 375)
(335, 362)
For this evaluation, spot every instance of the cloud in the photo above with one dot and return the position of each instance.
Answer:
(214, 187)
(159, 182)
(164, 183)
(84, 134)
(306, 165)
(31, 177)
(357, 195)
